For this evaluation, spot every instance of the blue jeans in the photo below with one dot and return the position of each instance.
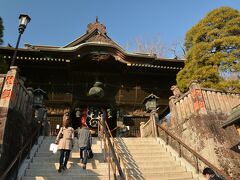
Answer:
(64, 156)
(83, 154)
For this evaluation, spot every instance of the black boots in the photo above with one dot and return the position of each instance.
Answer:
(62, 167)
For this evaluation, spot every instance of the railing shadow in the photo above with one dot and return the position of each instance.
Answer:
(110, 150)
(131, 164)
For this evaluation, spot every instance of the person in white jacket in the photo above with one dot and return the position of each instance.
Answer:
(65, 143)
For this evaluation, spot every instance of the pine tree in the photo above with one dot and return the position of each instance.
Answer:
(3, 64)
(1, 31)
(213, 52)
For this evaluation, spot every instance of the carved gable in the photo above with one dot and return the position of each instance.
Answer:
(95, 32)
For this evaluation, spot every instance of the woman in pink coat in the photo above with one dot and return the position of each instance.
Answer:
(65, 143)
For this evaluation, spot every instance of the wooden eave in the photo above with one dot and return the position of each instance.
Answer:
(74, 53)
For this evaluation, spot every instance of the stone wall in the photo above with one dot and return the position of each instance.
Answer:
(16, 117)
(196, 118)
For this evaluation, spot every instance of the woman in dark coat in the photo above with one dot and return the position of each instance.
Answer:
(84, 142)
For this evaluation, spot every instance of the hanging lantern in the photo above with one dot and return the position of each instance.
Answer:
(96, 90)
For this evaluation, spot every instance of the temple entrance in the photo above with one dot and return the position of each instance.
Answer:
(89, 115)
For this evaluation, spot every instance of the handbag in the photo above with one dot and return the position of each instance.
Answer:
(53, 147)
(90, 153)
(61, 135)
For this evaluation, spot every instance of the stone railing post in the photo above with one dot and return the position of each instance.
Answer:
(197, 98)
(2, 79)
(141, 129)
(173, 110)
(8, 96)
(154, 118)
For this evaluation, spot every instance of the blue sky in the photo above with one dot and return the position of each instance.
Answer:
(58, 22)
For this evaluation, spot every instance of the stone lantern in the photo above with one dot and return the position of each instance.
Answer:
(39, 97)
(151, 102)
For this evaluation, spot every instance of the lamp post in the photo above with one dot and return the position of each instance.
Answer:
(23, 21)
(41, 110)
(151, 102)
(39, 97)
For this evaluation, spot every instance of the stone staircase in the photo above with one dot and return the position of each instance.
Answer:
(145, 158)
(45, 164)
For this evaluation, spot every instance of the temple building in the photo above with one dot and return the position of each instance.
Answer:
(94, 72)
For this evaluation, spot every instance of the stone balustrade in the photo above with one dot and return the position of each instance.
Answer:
(200, 100)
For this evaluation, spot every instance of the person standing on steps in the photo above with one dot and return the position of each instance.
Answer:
(84, 142)
(211, 175)
(65, 141)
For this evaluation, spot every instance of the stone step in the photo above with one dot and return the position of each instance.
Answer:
(73, 153)
(90, 166)
(66, 177)
(137, 143)
(134, 139)
(49, 153)
(154, 170)
(104, 171)
(46, 165)
(94, 140)
(70, 172)
(46, 145)
(147, 160)
(144, 147)
(157, 176)
(150, 151)
(152, 164)
(94, 178)
(141, 143)
(146, 154)
(75, 147)
(53, 138)
(150, 159)
(71, 160)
